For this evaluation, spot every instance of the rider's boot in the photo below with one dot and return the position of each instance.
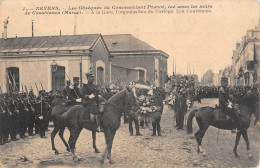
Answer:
(97, 124)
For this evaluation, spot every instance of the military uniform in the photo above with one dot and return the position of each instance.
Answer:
(91, 104)
(22, 120)
(2, 112)
(90, 99)
(68, 94)
(223, 105)
(41, 115)
(223, 98)
(14, 116)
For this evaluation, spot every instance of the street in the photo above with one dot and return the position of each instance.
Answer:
(173, 149)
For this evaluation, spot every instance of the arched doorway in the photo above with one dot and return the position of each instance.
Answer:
(58, 79)
(100, 76)
(13, 79)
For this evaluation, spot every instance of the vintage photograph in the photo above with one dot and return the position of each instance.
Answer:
(133, 83)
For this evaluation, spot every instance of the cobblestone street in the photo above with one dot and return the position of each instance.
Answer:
(174, 149)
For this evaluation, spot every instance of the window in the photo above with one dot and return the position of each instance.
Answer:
(13, 80)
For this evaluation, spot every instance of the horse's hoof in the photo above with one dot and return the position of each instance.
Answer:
(97, 151)
(236, 156)
(102, 161)
(68, 149)
(204, 155)
(111, 162)
(75, 158)
(198, 151)
(56, 153)
(250, 156)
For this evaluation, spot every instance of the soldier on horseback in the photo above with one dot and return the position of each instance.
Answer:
(223, 105)
(90, 99)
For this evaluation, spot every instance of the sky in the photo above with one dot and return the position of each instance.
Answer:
(205, 40)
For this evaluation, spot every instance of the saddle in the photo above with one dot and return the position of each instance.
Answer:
(87, 120)
(219, 114)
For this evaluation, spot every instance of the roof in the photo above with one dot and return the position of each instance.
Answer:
(48, 43)
(119, 43)
(125, 42)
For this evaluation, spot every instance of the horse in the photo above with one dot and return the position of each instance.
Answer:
(110, 121)
(206, 116)
(58, 109)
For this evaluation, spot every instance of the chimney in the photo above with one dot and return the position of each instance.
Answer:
(16, 36)
(2, 34)
(32, 29)
(5, 28)
(60, 32)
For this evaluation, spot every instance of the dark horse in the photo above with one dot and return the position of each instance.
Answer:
(58, 109)
(110, 121)
(207, 116)
(123, 101)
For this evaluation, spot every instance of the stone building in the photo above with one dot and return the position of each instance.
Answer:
(48, 61)
(135, 60)
(245, 59)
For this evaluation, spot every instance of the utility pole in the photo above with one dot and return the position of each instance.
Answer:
(173, 67)
(32, 29)
(75, 25)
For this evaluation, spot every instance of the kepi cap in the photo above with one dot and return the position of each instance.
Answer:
(89, 75)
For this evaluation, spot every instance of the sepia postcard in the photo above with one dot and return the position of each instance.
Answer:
(129, 83)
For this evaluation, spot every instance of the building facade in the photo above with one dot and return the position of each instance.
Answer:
(245, 60)
(47, 62)
(134, 60)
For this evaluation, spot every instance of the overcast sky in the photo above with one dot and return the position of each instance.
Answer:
(206, 40)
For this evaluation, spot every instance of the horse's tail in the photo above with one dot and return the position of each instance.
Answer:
(189, 121)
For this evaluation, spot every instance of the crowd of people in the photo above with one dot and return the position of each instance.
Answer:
(22, 112)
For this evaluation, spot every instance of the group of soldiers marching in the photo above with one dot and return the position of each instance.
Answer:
(22, 112)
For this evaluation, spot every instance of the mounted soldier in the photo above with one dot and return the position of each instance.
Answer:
(68, 94)
(224, 102)
(90, 99)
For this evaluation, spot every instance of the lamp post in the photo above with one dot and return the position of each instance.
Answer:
(54, 68)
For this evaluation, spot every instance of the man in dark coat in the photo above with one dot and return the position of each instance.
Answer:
(68, 94)
(76, 91)
(223, 103)
(2, 113)
(90, 99)
(40, 120)
(157, 103)
(134, 118)
(180, 108)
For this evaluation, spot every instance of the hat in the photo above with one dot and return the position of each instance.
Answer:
(89, 74)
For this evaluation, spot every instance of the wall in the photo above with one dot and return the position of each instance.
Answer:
(133, 61)
(38, 70)
(99, 54)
